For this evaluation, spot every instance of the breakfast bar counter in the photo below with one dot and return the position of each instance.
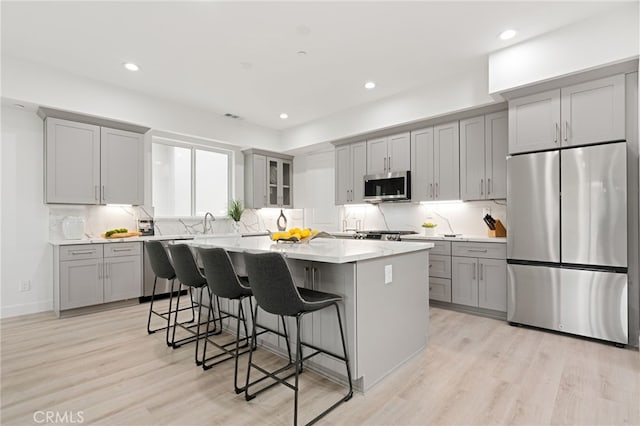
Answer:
(386, 299)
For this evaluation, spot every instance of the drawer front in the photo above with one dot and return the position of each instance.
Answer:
(441, 247)
(485, 250)
(440, 289)
(81, 251)
(122, 249)
(439, 266)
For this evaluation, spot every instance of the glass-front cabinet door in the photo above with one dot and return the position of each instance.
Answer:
(279, 177)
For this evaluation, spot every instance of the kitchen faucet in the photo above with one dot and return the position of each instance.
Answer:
(207, 214)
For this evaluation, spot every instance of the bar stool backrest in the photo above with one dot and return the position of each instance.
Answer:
(159, 260)
(272, 285)
(220, 273)
(185, 265)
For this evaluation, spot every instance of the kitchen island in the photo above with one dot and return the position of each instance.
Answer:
(386, 299)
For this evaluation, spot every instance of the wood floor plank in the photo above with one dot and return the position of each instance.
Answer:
(475, 371)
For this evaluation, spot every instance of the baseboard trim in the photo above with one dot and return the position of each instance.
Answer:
(26, 308)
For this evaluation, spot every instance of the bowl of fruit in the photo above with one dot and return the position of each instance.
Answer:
(297, 235)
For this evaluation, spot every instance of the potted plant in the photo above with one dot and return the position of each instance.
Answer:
(429, 229)
(235, 212)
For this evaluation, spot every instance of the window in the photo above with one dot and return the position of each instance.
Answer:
(189, 180)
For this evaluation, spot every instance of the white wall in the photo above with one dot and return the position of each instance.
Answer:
(605, 39)
(39, 85)
(458, 92)
(26, 254)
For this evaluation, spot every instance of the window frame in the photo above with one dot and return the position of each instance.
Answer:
(193, 147)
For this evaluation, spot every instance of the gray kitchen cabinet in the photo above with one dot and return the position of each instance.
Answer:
(581, 114)
(91, 274)
(483, 157)
(389, 154)
(440, 271)
(479, 275)
(351, 167)
(72, 162)
(121, 167)
(268, 179)
(122, 271)
(435, 160)
(81, 280)
(89, 164)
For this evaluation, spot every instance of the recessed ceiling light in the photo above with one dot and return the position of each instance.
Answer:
(284, 115)
(507, 34)
(131, 66)
(369, 85)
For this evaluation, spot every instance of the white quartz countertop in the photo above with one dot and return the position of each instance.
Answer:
(121, 240)
(329, 250)
(463, 238)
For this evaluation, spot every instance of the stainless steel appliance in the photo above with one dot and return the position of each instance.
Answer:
(387, 187)
(381, 235)
(567, 241)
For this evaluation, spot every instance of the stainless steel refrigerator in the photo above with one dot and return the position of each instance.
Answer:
(567, 241)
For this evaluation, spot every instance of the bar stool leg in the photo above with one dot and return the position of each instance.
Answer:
(153, 293)
(298, 368)
(346, 355)
(253, 345)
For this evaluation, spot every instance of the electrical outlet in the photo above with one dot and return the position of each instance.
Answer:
(25, 285)
(388, 274)
(486, 211)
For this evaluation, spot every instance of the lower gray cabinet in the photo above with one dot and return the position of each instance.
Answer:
(90, 274)
(440, 289)
(478, 279)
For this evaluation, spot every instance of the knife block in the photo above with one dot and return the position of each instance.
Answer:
(500, 230)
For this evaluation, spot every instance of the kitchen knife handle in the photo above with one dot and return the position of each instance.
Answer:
(481, 186)
(555, 137)
(566, 130)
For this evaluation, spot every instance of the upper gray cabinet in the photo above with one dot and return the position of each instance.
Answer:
(89, 164)
(268, 179)
(351, 166)
(483, 157)
(435, 154)
(581, 114)
(389, 154)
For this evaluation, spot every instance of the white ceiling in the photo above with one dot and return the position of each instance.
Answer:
(242, 57)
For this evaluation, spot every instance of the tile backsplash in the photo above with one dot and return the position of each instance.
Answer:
(99, 219)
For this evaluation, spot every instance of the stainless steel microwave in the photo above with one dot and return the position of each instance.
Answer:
(387, 187)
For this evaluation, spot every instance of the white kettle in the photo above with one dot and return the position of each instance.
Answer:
(73, 227)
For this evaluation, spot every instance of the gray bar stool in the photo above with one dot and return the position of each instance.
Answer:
(162, 268)
(276, 293)
(225, 283)
(189, 274)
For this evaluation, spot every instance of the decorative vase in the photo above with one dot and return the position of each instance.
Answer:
(236, 227)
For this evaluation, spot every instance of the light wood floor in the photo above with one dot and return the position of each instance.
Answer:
(475, 371)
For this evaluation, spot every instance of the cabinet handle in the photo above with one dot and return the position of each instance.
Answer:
(83, 252)
(475, 265)
(481, 267)
(306, 275)
(478, 250)
(566, 130)
(430, 266)
(385, 164)
(389, 163)
(95, 192)
(104, 194)
(313, 277)
(431, 190)
(99, 271)
(555, 136)
(488, 186)
(121, 249)
(437, 191)
(481, 186)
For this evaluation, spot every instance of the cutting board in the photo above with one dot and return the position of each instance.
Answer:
(122, 235)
